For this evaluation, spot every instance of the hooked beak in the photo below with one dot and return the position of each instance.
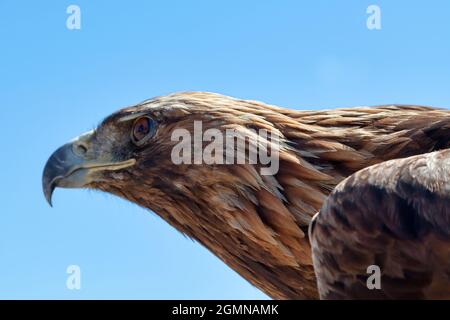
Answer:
(72, 166)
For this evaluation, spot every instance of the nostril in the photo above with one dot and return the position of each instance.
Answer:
(81, 149)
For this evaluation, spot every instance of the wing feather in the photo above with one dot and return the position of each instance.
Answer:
(395, 215)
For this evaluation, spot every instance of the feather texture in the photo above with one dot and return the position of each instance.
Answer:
(395, 216)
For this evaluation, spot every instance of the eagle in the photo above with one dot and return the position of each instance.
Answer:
(374, 209)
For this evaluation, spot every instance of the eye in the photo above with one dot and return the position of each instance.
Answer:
(143, 130)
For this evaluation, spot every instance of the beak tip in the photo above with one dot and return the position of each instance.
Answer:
(48, 192)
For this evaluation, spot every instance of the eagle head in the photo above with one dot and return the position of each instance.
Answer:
(135, 154)
(147, 154)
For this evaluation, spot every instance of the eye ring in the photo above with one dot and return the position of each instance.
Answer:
(143, 129)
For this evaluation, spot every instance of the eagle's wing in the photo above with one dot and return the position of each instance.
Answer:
(394, 216)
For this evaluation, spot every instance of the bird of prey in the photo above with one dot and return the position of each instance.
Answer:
(394, 216)
(256, 223)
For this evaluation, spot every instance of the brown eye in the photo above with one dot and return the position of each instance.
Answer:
(143, 129)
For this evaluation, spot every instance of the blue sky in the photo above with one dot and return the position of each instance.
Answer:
(56, 83)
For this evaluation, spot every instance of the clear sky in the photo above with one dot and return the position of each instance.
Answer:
(56, 83)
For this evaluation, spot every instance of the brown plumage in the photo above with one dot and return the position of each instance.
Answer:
(256, 224)
(395, 216)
